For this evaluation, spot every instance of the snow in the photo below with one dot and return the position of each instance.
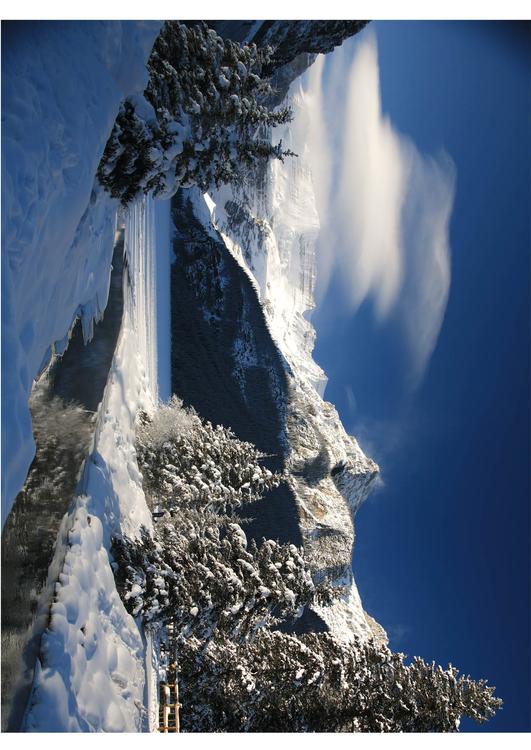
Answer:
(152, 679)
(92, 675)
(93, 654)
(148, 248)
(163, 259)
(62, 84)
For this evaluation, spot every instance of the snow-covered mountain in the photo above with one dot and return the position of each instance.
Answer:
(242, 289)
(271, 228)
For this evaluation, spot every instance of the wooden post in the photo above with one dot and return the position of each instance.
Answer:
(177, 707)
(169, 716)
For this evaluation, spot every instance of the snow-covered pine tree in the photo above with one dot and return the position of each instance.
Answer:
(188, 463)
(201, 574)
(131, 158)
(279, 682)
(198, 570)
(204, 120)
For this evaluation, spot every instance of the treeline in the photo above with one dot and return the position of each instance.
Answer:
(203, 119)
(226, 596)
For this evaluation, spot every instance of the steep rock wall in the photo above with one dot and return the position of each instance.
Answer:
(270, 226)
(244, 360)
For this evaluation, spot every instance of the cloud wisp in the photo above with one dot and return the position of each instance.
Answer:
(384, 207)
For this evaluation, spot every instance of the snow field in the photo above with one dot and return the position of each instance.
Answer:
(94, 657)
(62, 85)
(91, 677)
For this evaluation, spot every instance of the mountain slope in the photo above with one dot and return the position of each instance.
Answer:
(270, 226)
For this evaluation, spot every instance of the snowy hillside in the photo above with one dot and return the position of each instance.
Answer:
(62, 85)
(58, 236)
(92, 670)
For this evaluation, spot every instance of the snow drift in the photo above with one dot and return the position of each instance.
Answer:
(62, 84)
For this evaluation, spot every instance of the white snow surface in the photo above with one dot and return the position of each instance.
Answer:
(62, 86)
(62, 83)
(92, 673)
(90, 676)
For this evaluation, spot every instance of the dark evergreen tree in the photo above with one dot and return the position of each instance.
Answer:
(188, 463)
(130, 161)
(277, 682)
(201, 574)
(203, 120)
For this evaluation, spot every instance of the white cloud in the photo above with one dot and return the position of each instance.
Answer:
(351, 399)
(370, 197)
(426, 286)
(384, 207)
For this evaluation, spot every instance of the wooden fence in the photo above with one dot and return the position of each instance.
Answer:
(169, 691)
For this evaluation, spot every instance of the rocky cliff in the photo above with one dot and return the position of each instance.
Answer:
(243, 286)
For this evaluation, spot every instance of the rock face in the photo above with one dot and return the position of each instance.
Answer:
(224, 361)
(291, 38)
(243, 285)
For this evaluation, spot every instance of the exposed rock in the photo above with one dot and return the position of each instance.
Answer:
(270, 226)
(290, 38)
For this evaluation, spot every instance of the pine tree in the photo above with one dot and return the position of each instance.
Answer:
(224, 595)
(203, 121)
(198, 570)
(130, 162)
(279, 682)
(188, 463)
(203, 576)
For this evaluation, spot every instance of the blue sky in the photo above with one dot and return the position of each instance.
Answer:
(436, 387)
